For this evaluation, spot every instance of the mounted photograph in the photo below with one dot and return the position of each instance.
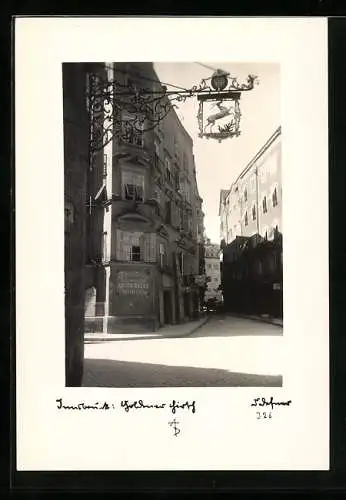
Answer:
(173, 224)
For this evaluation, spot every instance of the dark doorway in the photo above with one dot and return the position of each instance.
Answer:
(167, 307)
(195, 305)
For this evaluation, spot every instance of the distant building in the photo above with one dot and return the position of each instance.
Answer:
(251, 235)
(253, 202)
(212, 270)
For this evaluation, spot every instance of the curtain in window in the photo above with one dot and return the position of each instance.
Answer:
(125, 240)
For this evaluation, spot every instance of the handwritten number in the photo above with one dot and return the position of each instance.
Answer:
(263, 414)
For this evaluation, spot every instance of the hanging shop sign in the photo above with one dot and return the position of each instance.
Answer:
(125, 111)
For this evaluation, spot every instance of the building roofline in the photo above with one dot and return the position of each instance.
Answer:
(259, 153)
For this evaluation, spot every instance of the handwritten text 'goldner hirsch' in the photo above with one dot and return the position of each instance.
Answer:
(128, 405)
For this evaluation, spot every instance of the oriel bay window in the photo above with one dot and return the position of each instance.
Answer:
(135, 246)
(133, 186)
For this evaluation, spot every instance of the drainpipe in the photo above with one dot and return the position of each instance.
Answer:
(107, 221)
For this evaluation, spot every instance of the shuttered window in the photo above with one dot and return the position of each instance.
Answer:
(133, 186)
(135, 246)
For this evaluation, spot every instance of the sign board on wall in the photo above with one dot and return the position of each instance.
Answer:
(133, 283)
(133, 292)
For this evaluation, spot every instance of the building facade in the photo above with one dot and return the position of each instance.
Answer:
(253, 202)
(153, 246)
(251, 235)
(212, 269)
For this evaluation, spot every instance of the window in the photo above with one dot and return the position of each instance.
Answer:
(133, 186)
(168, 171)
(135, 253)
(275, 197)
(264, 205)
(135, 246)
(132, 132)
(105, 256)
(254, 212)
(168, 212)
(176, 180)
(181, 262)
(245, 194)
(162, 254)
(246, 221)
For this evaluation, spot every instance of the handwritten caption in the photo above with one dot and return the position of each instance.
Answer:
(129, 406)
(268, 405)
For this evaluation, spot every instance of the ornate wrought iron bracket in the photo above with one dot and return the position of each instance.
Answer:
(125, 112)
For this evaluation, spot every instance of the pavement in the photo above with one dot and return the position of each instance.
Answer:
(219, 351)
(167, 331)
(265, 318)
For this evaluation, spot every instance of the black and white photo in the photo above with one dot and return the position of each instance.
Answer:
(151, 301)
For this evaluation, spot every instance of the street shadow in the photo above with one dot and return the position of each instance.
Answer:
(123, 374)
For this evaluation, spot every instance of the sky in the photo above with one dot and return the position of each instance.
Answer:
(219, 164)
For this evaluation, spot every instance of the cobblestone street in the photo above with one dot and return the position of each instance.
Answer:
(226, 351)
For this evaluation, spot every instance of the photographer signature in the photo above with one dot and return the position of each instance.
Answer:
(271, 402)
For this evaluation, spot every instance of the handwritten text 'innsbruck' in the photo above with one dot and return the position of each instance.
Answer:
(127, 405)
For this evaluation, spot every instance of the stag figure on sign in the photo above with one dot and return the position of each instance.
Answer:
(217, 116)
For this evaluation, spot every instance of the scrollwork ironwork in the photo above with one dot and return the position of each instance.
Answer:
(126, 112)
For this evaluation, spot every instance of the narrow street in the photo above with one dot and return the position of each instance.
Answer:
(226, 351)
